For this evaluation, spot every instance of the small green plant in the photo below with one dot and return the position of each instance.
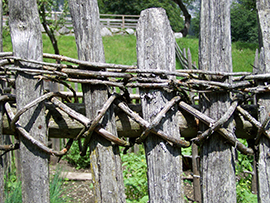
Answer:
(56, 188)
(13, 190)
(73, 157)
(244, 179)
(135, 176)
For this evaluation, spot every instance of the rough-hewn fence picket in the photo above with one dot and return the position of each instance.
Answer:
(217, 159)
(264, 104)
(164, 161)
(167, 112)
(104, 158)
(27, 44)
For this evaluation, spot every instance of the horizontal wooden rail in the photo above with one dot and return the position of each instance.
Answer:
(62, 126)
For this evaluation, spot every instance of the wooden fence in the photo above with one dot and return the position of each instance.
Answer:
(231, 105)
(108, 20)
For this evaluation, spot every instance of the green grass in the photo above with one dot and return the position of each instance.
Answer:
(13, 190)
(243, 54)
(122, 50)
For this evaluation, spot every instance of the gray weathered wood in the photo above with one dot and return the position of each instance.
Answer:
(27, 43)
(2, 167)
(263, 170)
(2, 162)
(196, 173)
(105, 159)
(61, 125)
(217, 163)
(156, 50)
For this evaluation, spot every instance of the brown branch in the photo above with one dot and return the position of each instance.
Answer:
(87, 122)
(27, 136)
(28, 106)
(222, 131)
(185, 30)
(216, 125)
(87, 63)
(95, 122)
(158, 118)
(178, 142)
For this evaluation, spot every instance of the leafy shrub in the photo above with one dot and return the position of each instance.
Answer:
(135, 176)
(73, 157)
(244, 179)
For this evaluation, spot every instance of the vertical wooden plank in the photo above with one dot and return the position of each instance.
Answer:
(196, 173)
(26, 39)
(217, 163)
(104, 159)
(156, 50)
(2, 167)
(263, 170)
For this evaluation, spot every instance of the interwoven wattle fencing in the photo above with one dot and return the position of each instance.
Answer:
(211, 107)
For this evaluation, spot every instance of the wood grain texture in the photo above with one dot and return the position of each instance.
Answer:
(27, 43)
(217, 162)
(263, 167)
(155, 50)
(105, 158)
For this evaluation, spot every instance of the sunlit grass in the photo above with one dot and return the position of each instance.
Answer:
(122, 50)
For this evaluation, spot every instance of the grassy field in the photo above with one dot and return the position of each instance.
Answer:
(122, 50)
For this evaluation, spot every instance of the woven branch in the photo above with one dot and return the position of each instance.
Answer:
(158, 118)
(87, 122)
(177, 142)
(95, 122)
(208, 121)
(35, 142)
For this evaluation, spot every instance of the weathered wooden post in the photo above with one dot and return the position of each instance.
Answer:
(26, 38)
(2, 167)
(105, 159)
(217, 162)
(263, 8)
(156, 50)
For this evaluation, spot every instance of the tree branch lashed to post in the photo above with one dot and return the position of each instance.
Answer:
(155, 50)
(27, 43)
(217, 163)
(263, 8)
(105, 159)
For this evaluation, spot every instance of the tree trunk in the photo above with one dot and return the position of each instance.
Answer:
(185, 30)
(264, 104)
(155, 50)
(105, 158)
(217, 162)
(27, 43)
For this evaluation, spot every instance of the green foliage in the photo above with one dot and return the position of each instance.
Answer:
(13, 189)
(73, 157)
(56, 188)
(243, 167)
(244, 26)
(135, 177)
(243, 185)
(136, 6)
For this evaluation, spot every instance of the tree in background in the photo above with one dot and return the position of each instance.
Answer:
(174, 9)
(49, 21)
(244, 25)
(50, 24)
